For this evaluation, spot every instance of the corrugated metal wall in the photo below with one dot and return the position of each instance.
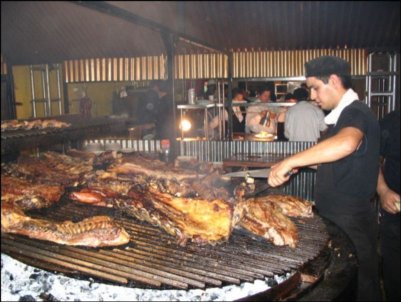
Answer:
(201, 66)
(252, 64)
(275, 64)
(216, 151)
(115, 69)
(302, 184)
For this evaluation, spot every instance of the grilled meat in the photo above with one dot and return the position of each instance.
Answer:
(267, 220)
(51, 168)
(199, 220)
(290, 205)
(134, 165)
(18, 195)
(28, 195)
(35, 124)
(188, 207)
(95, 231)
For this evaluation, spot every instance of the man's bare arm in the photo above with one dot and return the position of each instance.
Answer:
(334, 148)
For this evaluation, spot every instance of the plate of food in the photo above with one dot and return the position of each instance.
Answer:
(264, 135)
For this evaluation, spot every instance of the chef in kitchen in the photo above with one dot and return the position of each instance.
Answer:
(347, 161)
(258, 117)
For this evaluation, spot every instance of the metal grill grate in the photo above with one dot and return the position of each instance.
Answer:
(153, 259)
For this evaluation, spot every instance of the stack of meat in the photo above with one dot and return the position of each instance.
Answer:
(35, 124)
(191, 204)
(35, 183)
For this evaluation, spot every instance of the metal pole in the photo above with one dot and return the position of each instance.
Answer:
(66, 99)
(394, 81)
(223, 122)
(48, 99)
(42, 78)
(230, 97)
(32, 91)
(59, 88)
(221, 118)
(170, 44)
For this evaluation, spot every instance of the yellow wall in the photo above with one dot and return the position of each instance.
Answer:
(23, 93)
(101, 94)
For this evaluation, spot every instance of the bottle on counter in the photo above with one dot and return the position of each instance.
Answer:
(165, 155)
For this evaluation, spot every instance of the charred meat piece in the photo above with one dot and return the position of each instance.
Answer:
(290, 205)
(132, 165)
(265, 219)
(52, 168)
(199, 220)
(95, 231)
(28, 195)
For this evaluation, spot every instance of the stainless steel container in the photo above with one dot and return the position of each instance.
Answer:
(191, 96)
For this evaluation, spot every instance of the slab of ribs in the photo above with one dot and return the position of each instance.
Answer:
(194, 204)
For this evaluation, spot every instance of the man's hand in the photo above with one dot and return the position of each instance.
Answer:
(388, 200)
(272, 115)
(263, 113)
(280, 173)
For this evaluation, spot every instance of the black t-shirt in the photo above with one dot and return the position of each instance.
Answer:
(164, 118)
(346, 185)
(390, 149)
(148, 108)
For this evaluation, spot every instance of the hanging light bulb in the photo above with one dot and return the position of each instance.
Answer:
(185, 125)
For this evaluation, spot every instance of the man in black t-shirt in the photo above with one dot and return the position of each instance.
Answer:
(348, 164)
(149, 109)
(388, 188)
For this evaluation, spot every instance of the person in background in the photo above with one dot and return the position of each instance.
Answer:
(258, 117)
(304, 121)
(289, 98)
(388, 189)
(238, 116)
(148, 109)
(348, 165)
(164, 116)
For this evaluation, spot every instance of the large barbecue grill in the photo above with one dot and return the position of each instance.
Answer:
(154, 260)
(153, 257)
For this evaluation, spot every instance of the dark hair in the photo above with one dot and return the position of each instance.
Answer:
(289, 96)
(265, 88)
(237, 91)
(301, 94)
(345, 80)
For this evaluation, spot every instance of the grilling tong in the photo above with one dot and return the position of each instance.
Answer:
(249, 179)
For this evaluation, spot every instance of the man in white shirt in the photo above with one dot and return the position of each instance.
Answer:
(258, 117)
(304, 121)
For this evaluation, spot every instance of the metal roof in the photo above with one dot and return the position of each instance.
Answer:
(46, 32)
